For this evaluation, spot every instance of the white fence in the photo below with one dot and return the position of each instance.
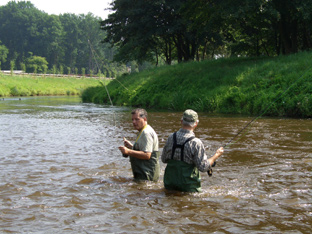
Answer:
(20, 72)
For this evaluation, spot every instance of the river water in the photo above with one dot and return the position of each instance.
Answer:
(61, 172)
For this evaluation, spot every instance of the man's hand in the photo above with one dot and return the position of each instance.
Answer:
(127, 143)
(220, 151)
(135, 153)
(124, 150)
(216, 156)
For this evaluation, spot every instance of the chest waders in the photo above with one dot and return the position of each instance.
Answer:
(145, 169)
(180, 175)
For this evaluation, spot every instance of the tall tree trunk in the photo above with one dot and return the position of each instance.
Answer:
(204, 50)
(285, 35)
(277, 43)
(177, 42)
(307, 42)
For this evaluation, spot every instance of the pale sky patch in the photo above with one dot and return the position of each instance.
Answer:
(96, 7)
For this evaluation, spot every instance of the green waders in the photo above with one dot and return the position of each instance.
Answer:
(180, 175)
(146, 169)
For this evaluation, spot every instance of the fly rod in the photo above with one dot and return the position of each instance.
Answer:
(259, 116)
(266, 109)
(101, 82)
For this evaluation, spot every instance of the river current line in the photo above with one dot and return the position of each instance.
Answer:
(265, 110)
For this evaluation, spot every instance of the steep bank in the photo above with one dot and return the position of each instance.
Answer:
(236, 86)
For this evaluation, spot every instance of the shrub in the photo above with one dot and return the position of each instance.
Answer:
(36, 64)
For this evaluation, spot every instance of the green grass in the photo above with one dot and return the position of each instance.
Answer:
(33, 86)
(229, 86)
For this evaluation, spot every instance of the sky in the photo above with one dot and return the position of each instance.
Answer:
(96, 7)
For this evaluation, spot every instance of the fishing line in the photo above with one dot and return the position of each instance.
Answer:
(266, 109)
(121, 84)
(94, 52)
(101, 82)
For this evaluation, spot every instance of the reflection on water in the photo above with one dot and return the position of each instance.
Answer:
(61, 172)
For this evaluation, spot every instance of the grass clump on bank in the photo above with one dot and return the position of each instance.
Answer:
(228, 86)
(32, 86)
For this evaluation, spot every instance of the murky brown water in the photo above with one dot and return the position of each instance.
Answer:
(61, 172)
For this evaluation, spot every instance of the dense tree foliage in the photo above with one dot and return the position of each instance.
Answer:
(65, 41)
(185, 30)
(3, 52)
(157, 31)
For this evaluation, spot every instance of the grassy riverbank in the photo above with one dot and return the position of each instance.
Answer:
(230, 86)
(18, 85)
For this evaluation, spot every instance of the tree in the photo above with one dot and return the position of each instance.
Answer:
(247, 27)
(157, 31)
(147, 30)
(186, 30)
(268, 27)
(13, 29)
(91, 51)
(293, 22)
(3, 53)
(12, 66)
(130, 29)
(25, 29)
(71, 38)
(62, 40)
(36, 64)
(144, 30)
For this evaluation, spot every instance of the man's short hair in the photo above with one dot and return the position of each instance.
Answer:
(142, 113)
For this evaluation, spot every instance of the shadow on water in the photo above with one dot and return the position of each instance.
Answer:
(61, 172)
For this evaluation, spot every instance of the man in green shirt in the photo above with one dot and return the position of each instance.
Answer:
(185, 157)
(144, 154)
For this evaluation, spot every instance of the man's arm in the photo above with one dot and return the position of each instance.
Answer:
(135, 153)
(165, 152)
(216, 156)
(201, 160)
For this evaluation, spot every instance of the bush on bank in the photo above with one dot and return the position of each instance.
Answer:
(33, 86)
(230, 86)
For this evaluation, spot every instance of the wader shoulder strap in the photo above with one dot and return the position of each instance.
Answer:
(175, 145)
